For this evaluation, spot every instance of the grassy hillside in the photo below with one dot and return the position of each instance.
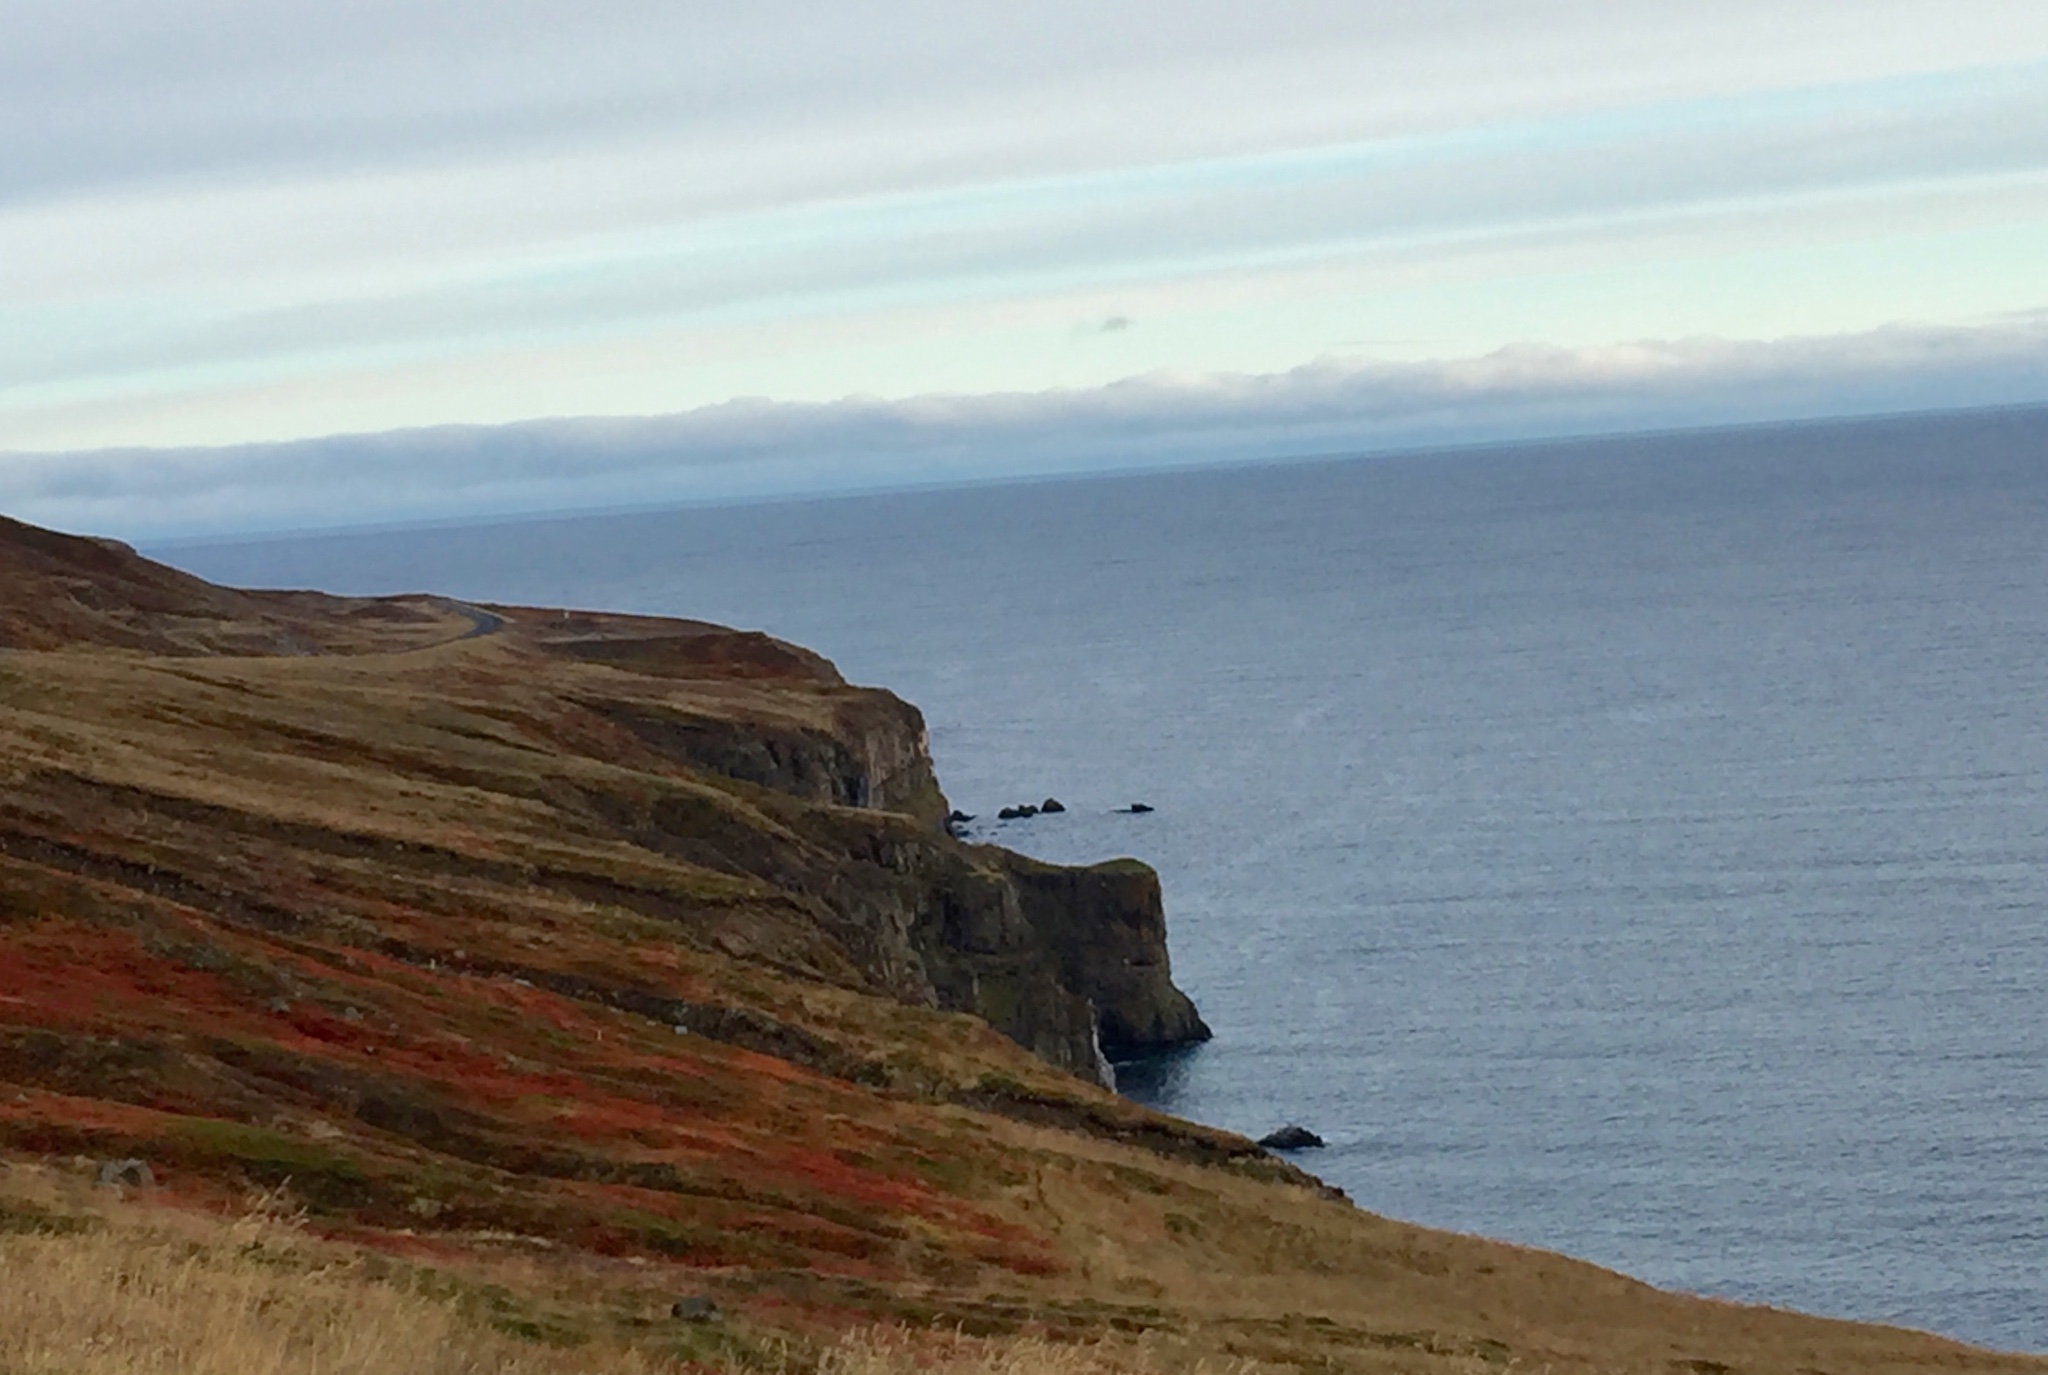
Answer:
(548, 966)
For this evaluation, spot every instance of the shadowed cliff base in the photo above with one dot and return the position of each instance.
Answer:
(591, 956)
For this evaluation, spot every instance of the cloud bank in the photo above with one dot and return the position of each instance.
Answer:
(230, 221)
(753, 449)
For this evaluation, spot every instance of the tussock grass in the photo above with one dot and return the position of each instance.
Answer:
(895, 1351)
(93, 1283)
(154, 1291)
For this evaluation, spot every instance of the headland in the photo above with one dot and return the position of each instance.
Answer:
(597, 959)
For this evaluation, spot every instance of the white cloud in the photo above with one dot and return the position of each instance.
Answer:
(757, 448)
(96, 91)
(231, 220)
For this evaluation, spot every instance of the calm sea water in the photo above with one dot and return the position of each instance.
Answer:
(1635, 848)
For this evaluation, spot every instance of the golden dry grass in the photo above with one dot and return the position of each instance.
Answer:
(895, 1351)
(1214, 1275)
(135, 1291)
(100, 1285)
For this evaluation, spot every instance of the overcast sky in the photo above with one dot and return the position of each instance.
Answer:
(1339, 225)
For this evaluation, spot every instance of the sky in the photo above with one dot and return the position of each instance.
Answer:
(273, 266)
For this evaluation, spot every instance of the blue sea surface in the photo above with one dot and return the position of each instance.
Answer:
(1637, 848)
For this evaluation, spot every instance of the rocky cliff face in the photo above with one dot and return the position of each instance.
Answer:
(729, 784)
(870, 751)
(1106, 929)
(1070, 963)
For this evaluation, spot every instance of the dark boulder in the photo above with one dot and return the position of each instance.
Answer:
(1137, 809)
(1290, 1138)
(1052, 804)
(960, 818)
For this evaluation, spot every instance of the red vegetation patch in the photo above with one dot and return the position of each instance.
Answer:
(725, 1157)
(65, 974)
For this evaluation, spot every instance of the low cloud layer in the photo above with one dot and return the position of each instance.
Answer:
(228, 221)
(747, 448)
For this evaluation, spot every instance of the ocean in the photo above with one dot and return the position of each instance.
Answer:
(1633, 847)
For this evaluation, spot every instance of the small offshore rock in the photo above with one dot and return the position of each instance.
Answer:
(1137, 809)
(1052, 804)
(1290, 1138)
(960, 818)
(132, 1174)
(695, 1308)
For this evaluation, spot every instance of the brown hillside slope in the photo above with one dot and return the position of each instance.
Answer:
(599, 958)
(59, 590)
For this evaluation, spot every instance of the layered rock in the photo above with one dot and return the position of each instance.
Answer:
(1106, 928)
(1071, 963)
(869, 752)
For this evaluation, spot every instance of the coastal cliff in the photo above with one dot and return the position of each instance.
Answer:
(604, 972)
(1070, 963)
(719, 761)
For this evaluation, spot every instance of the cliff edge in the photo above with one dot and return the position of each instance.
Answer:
(695, 751)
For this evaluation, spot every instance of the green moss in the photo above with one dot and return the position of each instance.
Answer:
(320, 1177)
(18, 1217)
(999, 997)
(1140, 1181)
(725, 1345)
(954, 1175)
(925, 801)
(997, 1083)
(260, 1145)
(542, 1331)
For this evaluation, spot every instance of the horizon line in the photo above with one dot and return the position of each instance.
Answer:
(542, 516)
